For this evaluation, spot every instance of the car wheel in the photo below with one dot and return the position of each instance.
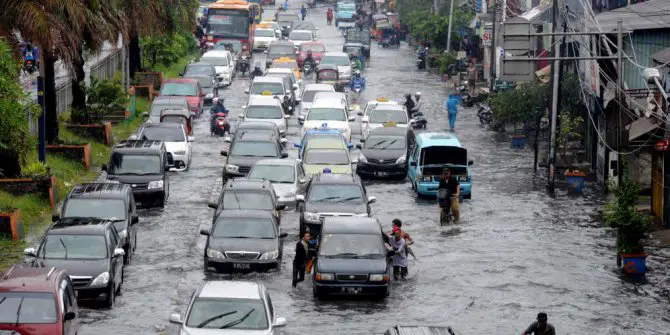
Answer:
(123, 273)
(468, 196)
(127, 258)
(111, 296)
(161, 202)
(315, 292)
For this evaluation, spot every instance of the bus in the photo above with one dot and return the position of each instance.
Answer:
(231, 20)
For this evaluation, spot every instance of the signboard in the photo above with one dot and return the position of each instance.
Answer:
(488, 36)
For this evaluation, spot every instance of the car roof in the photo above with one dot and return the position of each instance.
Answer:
(351, 225)
(168, 100)
(215, 53)
(247, 184)
(79, 226)
(326, 142)
(250, 136)
(330, 94)
(336, 179)
(277, 162)
(139, 146)
(269, 79)
(437, 139)
(99, 191)
(245, 213)
(336, 53)
(281, 42)
(30, 279)
(163, 125)
(269, 28)
(181, 81)
(280, 70)
(256, 100)
(320, 87)
(256, 125)
(312, 43)
(300, 31)
(388, 107)
(230, 289)
(329, 102)
(400, 131)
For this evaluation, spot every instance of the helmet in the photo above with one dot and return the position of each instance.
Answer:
(215, 100)
(327, 170)
(357, 73)
(417, 94)
(309, 52)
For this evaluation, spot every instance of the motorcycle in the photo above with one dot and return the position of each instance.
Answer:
(243, 64)
(29, 66)
(421, 60)
(356, 91)
(418, 121)
(485, 114)
(219, 125)
(205, 46)
(307, 69)
(446, 215)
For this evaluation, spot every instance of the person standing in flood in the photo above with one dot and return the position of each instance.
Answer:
(400, 254)
(300, 259)
(451, 104)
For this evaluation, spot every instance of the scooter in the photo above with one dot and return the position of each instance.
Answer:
(356, 92)
(485, 114)
(219, 125)
(418, 121)
(243, 64)
(307, 69)
(421, 59)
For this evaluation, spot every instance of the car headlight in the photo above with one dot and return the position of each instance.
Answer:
(211, 253)
(270, 255)
(402, 159)
(232, 168)
(101, 280)
(123, 233)
(290, 193)
(311, 216)
(182, 152)
(362, 159)
(324, 276)
(155, 184)
(427, 178)
(209, 95)
(363, 215)
(377, 277)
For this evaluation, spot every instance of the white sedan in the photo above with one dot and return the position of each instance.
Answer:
(263, 37)
(298, 37)
(384, 115)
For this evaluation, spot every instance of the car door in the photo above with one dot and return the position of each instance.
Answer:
(231, 63)
(68, 303)
(132, 211)
(300, 187)
(412, 162)
(271, 312)
(117, 262)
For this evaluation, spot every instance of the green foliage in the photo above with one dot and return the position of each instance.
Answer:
(14, 106)
(621, 214)
(434, 28)
(104, 96)
(521, 105)
(568, 130)
(35, 170)
(166, 49)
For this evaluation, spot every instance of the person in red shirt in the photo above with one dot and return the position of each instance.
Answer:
(397, 226)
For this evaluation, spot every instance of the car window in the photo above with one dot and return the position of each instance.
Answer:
(283, 174)
(244, 228)
(381, 116)
(165, 134)
(134, 164)
(312, 47)
(264, 112)
(351, 246)
(280, 49)
(248, 200)
(273, 88)
(336, 193)
(271, 308)
(335, 60)
(265, 33)
(157, 109)
(213, 313)
(25, 307)
(195, 70)
(326, 156)
(300, 36)
(326, 114)
(384, 142)
(204, 82)
(114, 238)
(179, 89)
(113, 209)
(216, 61)
(254, 149)
(57, 246)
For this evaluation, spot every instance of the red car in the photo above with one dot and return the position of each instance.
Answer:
(317, 48)
(38, 301)
(188, 88)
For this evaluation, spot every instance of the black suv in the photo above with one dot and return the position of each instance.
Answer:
(243, 240)
(246, 150)
(91, 253)
(143, 165)
(332, 195)
(247, 194)
(351, 259)
(383, 153)
(109, 201)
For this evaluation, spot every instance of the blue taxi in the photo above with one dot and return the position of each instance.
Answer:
(429, 154)
(324, 132)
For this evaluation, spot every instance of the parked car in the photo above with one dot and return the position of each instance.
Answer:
(332, 195)
(187, 88)
(108, 201)
(246, 150)
(223, 62)
(143, 165)
(351, 259)
(90, 251)
(229, 307)
(248, 194)
(287, 176)
(243, 240)
(37, 301)
(174, 136)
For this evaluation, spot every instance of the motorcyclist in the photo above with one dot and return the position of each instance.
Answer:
(257, 71)
(219, 107)
(409, 105)
(357, 80)
(358, 65)
(417, 103)
(309, 59)
(217, 111)
(448, 188)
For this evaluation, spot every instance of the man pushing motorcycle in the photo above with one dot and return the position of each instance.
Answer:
(448, 196)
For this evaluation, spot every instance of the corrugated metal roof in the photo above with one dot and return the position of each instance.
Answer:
(662, 57)
(652, 14)
(646, 43)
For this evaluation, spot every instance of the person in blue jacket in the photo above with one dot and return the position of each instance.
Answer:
(451, 104)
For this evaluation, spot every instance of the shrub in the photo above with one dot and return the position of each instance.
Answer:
(104, 96)
(621, 213)
(166, 49)
(35, 170)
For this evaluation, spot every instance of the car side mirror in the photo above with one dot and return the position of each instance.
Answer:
(280, 322)
(362, 140)
(287, 116)
(301, 118)
(412, 163)
(212, 205)
(300, 198)
(176, 318)
(246, 91)
(288, 91)
(284, 155)
(145, 114)
(241, 116)
(104, 167)
(352, 118)
(282, 235)
(55, 217)
(372, 200)
(134, 219)
(354, 161)
(30, 252)
(360, 113)
(358, 146)
(281, 207)
(69, 316)
(302, 180)
(205, 232)
(470, 162)
(118, 252)
(224, 154)
(226, 139)
(132, 137)
(265, 52)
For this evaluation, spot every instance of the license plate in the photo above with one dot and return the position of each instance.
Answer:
(241, 266)
(352, 290)
(381, 174)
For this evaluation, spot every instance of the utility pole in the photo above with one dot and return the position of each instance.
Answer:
(451, 19)
(555, 71)
(619, 84)
(41, 121)
(494, 48)
(436, 7)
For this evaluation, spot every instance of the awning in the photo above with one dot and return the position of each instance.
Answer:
(640, 127)
(535, 14)
(662, 57)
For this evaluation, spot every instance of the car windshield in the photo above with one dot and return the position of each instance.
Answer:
(218, 313)
(261, 200)
(274, 88)
(265, 112)
(308, 95)
(335, 60)
(330, 114)
(165, 134)
(300, 36)
(74, 247)
(279, 50)
(265, 33)
(27, 307)
(346, 8)
(381, 116)
(352, 246)
(236, 46)
(312, 48)
(134, 164)
(114, 209)
(336, 193)
(254, 149)
(283, 174)
(327, 156)
(256, 131)
(194, 70)
(385, 142)
(179, 89)
(244, 228)
(156, 109)
(205, 82)
(216, 61)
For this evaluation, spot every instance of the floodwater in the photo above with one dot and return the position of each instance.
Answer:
(516, 252)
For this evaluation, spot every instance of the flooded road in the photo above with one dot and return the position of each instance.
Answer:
(516, 252)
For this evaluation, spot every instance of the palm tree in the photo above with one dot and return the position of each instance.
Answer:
(54, 25)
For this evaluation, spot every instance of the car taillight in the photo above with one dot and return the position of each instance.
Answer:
(210, 37)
